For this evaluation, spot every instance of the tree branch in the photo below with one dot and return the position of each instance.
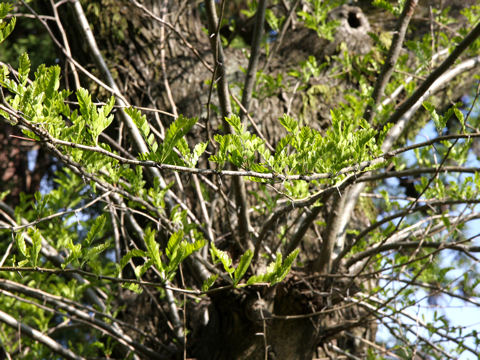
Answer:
(391, 59)
(75, 314)
(435, 76)
(226, 109)
(410, 232)
(251, 75)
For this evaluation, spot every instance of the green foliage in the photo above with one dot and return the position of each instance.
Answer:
(6, 27)
(174, 140)
(277, 270)
(303, 150)
(29, 37)
(85, 252)
(439, 121)
(36, 247)
(22, 247)
(177, 250)
(395, 7)
(153, 250)
(76, 224)
(308, 68)
(95, 230)
(175, 137)
(142, 124)
(329, 152)
(23, 69)
(267, 85)
(209, 282)
(97, 120)
(236, 274)
(242, 266)
(317, 18)
(273, 21)
(219, 256)
(241, 148)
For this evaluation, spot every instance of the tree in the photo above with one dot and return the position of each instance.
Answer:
(228, 193)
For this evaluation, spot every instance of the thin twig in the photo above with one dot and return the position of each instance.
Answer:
(435, 75)
(178, 33)
(391, 58)
(65, 43)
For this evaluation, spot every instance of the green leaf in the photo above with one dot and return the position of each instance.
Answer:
(190, 248)
(460, 117)
(133, 287)
(6, 28)
(21, 244)
(103, 120)
(97, 120)
(173, 244)
(139, 120)
(223, 257)
(4, 194)
(207, 284)
(53, 81)
(176, 249)
(176, 131)
(5, 9)
(198, 150)
(153, 249)
(276, 271)
(74, 254)
(23, 262)
(235, 123)
(255, 279)
(438, 120)
(36, 247)
(106, 109)
(23, 68)
(92, 253)
(142, 269)
(84, 101)
(131, 254)
(96, 229)
(285, 268)
(242, 266)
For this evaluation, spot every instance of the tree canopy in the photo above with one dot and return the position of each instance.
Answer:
(285, 179)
